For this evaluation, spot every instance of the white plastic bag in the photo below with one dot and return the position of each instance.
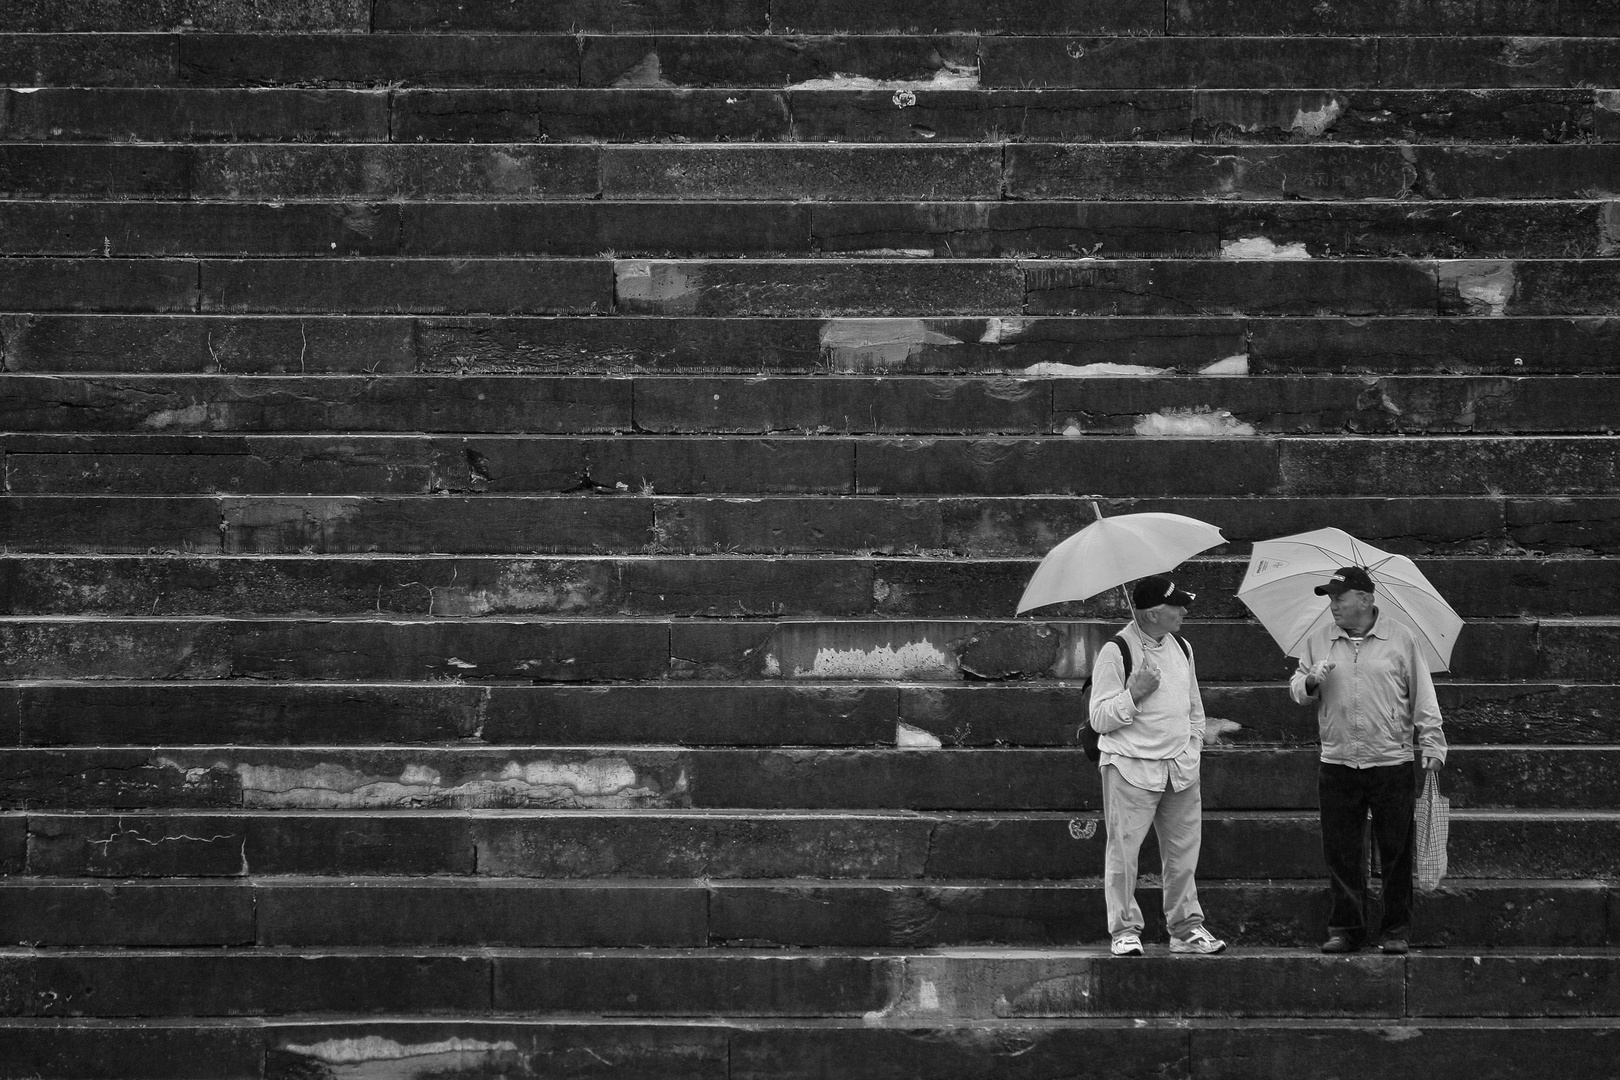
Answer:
(1432, 824)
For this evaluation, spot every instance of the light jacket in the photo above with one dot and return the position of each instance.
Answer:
(1376, 696)
(1156, 744)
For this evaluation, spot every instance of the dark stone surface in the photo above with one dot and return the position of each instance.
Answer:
(241, 984)
(990, 115)
(1467, 62)
(145, 15)
(1013, 229)
(853, 404)
(1515, 346)
(177, 914)
(72, 523)
(593, 228)
(775, 60)
(87, 59)
(220, 713)
(700, 985)
(1066, 466)
(372, 403)
(1004, 16)
(207, 343)
(273, 172)
(413, 913)
(1559, 287)
(1460, 17)
(1447, 230)
(158, 115)
(801, 172)
(1117, 171)
(1127, 62)
(571, 16)
(1573, 526)
(1202, 287)
(816, 287)
(1579, 171)
(165, 228)
(391, 286)
(1402, 116)
(35, 170)
(589, 115)
(137, 285)
(468, 524)
(1551, 465)
(382, 60)
(131, 1050)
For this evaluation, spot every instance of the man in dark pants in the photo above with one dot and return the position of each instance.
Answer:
(1375, 691)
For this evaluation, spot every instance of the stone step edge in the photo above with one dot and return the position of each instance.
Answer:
(426, 882)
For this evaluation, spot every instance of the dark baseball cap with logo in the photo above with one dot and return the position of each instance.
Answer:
(1150, 592)
(1344, 579)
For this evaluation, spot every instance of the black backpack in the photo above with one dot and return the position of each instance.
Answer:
(1088, 734)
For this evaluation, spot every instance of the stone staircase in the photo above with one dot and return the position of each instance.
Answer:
(513, 513)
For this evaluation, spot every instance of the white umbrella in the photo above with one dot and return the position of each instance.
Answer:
(1112, 551)
(1284, 572)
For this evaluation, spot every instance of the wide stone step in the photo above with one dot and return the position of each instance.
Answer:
(1017, 345)
(205, 58)
(877, 115)
(631, 523)
(883, 988)
(545, 404)
(480, 777)
(1014, 229)
(926, 586)
(608, 845)
(805, 713)
(783, 1049)
(442, 912)
(582, 650)
(837, 172)
(1298, 467)
(844, 287)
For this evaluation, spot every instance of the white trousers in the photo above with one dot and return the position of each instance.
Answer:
(1178, 818)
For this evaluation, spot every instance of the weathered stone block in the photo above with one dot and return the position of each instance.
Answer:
(177, 914)
(849, 405)
(1494, 345)
(975, 115)
(1576, 526)
(683, 229)
(128, 1050)
(267, 172)
(1545, 465)
(1573, 171)
(379, 60)
(569, 17)
(771, 60)
(417, 913)
(95, 172)
(591, 115)
(142, 285)
(105, 16)
(1102, 172)
(1128, 62)
(430, 286)
(801, 172)
(1014, 229)
(166, 115)
(1205, 287)
(1445, 230)
(73, 523)
(1402, 116)
(1452, 17)
(848, 288)
(50, 59)
(167, 228)
(1007, 16)
(1469, 62)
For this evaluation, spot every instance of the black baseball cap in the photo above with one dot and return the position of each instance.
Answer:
(1150, 592)
(1346, 578)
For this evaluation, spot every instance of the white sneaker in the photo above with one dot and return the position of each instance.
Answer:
(1198, 940)
(1127, 944)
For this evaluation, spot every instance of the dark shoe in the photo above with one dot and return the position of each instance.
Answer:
(1394, 945)
(1339, 943)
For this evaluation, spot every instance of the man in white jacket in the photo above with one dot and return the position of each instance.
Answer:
(1151, 734)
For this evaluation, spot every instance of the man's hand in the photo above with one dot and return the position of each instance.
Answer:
(1144, 680)
(1432, 763)
(1316, 673)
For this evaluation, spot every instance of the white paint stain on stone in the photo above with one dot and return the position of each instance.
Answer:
(1199, 423)
(1311, 123)
(998, 331)
(1260, 247)
(1228, 365)
(649, 72)
(877, 345)
(596, 782)
(1093, 371)
(188, 418)
(1485, 287)
(907, 737)
(663, 288)
(913, 660)
(377, 1058)
(948, 77)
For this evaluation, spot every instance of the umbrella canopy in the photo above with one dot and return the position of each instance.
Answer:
(1112, 551)
(1283, 572)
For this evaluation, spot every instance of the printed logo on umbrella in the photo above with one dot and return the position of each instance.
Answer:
(1262, 567)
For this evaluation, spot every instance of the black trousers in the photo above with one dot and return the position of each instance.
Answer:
(1346, 795)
